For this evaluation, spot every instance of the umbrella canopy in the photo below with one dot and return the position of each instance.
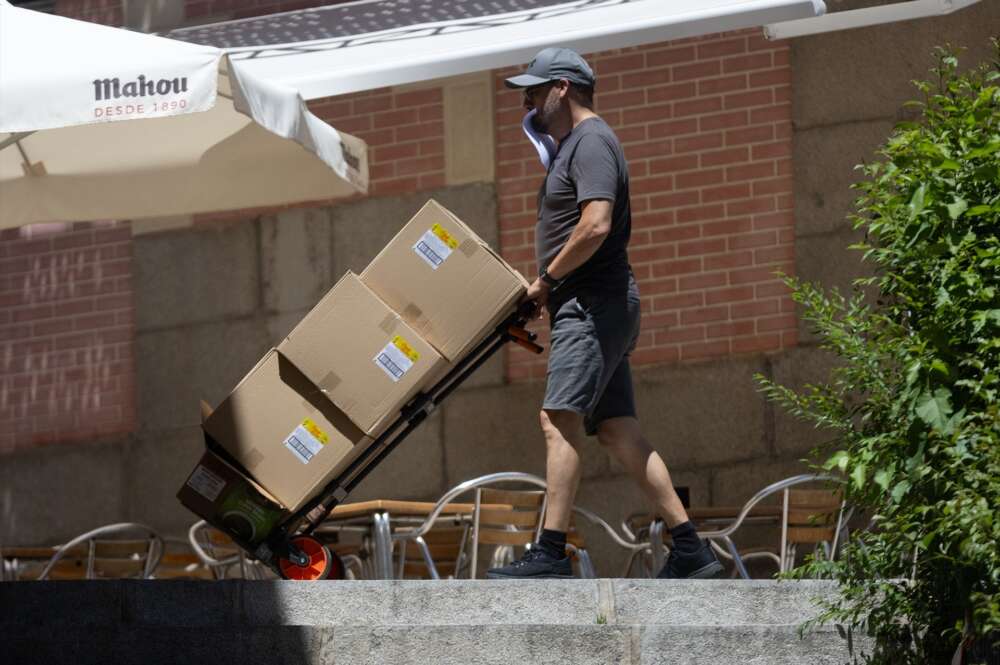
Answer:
(104, 123)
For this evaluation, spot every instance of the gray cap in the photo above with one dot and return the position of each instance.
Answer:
(552, 64)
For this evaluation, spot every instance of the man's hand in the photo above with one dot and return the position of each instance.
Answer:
(539, 293)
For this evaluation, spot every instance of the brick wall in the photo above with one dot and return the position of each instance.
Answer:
(706, 127)
(66, 331)
(107, 12)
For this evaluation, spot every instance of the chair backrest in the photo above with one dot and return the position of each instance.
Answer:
(447, 546)
(106, 553)
(516, 524)
(220, 554)
(811, 515)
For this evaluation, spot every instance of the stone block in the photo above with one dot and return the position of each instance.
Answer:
(612, 499)
(734, 484)
(177, 368)
(279, 325)
(156, 465)
(825, 260)
(701, 414)
(93, 605)
(413, 470)
(874, 81)
(362, 229)
(196, 275)
(295, 258)
(50, 495)
(824, 159)
(795, 368)
(774, 645)
(420, 603)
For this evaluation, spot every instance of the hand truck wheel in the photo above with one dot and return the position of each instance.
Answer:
(323, 564)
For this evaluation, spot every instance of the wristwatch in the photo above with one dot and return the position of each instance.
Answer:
(548, 279)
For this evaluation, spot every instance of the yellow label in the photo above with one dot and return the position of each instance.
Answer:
(405, 348)
(314, 429)
(444, 236)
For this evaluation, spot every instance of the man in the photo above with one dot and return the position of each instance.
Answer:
(586, 284)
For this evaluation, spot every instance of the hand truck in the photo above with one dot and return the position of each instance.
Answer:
(290, 550)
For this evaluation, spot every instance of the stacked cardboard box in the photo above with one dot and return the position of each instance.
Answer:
(340, 378)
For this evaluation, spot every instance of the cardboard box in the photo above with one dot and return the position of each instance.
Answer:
(285, 432)
(444, 280)
(230, 501)
(361, 355)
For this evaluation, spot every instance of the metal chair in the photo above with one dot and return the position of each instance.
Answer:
(799, 512)
(109, 555)
(222, 556)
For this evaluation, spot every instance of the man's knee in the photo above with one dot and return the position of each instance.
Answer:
(559, 422)
(615, 432)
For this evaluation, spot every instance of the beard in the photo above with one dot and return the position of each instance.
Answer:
(544, 116)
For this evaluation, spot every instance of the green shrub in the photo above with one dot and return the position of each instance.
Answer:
(913, 402)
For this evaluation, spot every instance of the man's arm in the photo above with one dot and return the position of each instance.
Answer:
(588, 234)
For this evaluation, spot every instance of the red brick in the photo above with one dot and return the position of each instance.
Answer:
(674, 233)
(742, 63)
(722, 121)
(355, 124)
(368, 106)
(772, 323)
(673, 128)
(771, 150)
(781, 254)
(417, 98)
(750, 275)
(670, 56)
(698, 143)
(622, 63)
(431, 113)
(646, 114)
(698, 106)
(723, 84)
(700, 247)
(724, 157)
(781, 76)
(420, 165)
(750, 171)
(697, 70)
(700, 178)
(719, 49)
(748, 99)
(673, 164)
(52, 327)
(727, 226)
(774, 113)
(378, 171)
(680, 335)
(678, 267)
(777, 220)
(422, 131)
(773, 186)
(789, 338)
(644, 79)
(653, 287)
(703, 281)
(651, 253)
(395, 151)
(650, 149)
(704, 315)
(705, 350)
(729, 295)
(700, 213)
(729, 329)
(750, 135)
(753, 240)
(750, 206)
(671, 93)
(618, 100)
(726, 192)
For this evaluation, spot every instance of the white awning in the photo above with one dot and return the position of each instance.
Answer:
(376, 43)
(103, 123)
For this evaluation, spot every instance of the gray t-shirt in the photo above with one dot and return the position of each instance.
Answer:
(589, 165)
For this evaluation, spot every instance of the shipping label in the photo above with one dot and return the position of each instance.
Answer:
(206, 483)
(396, 358)
(306, 441)
(435, 246)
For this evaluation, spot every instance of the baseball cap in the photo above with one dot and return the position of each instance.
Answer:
(552, 64)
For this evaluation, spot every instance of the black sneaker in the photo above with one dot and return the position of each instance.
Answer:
(535, 564)
(699, 565)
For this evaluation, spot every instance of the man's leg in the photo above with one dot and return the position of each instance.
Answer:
(689, 556)
(623, 438)
(562, 430)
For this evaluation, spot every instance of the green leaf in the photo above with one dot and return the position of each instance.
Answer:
(956, 209)
(858, 475)
(935, 408)
(917, 201)
(900, 490)
(882, 478)
(975, 211)
(838, 460)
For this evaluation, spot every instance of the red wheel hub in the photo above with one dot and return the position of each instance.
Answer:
(321, 561)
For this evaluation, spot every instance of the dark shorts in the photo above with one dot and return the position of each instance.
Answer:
(592, 337)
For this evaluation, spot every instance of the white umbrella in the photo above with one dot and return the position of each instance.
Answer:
(104, 123)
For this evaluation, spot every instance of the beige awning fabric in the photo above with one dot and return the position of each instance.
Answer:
(102, 123)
